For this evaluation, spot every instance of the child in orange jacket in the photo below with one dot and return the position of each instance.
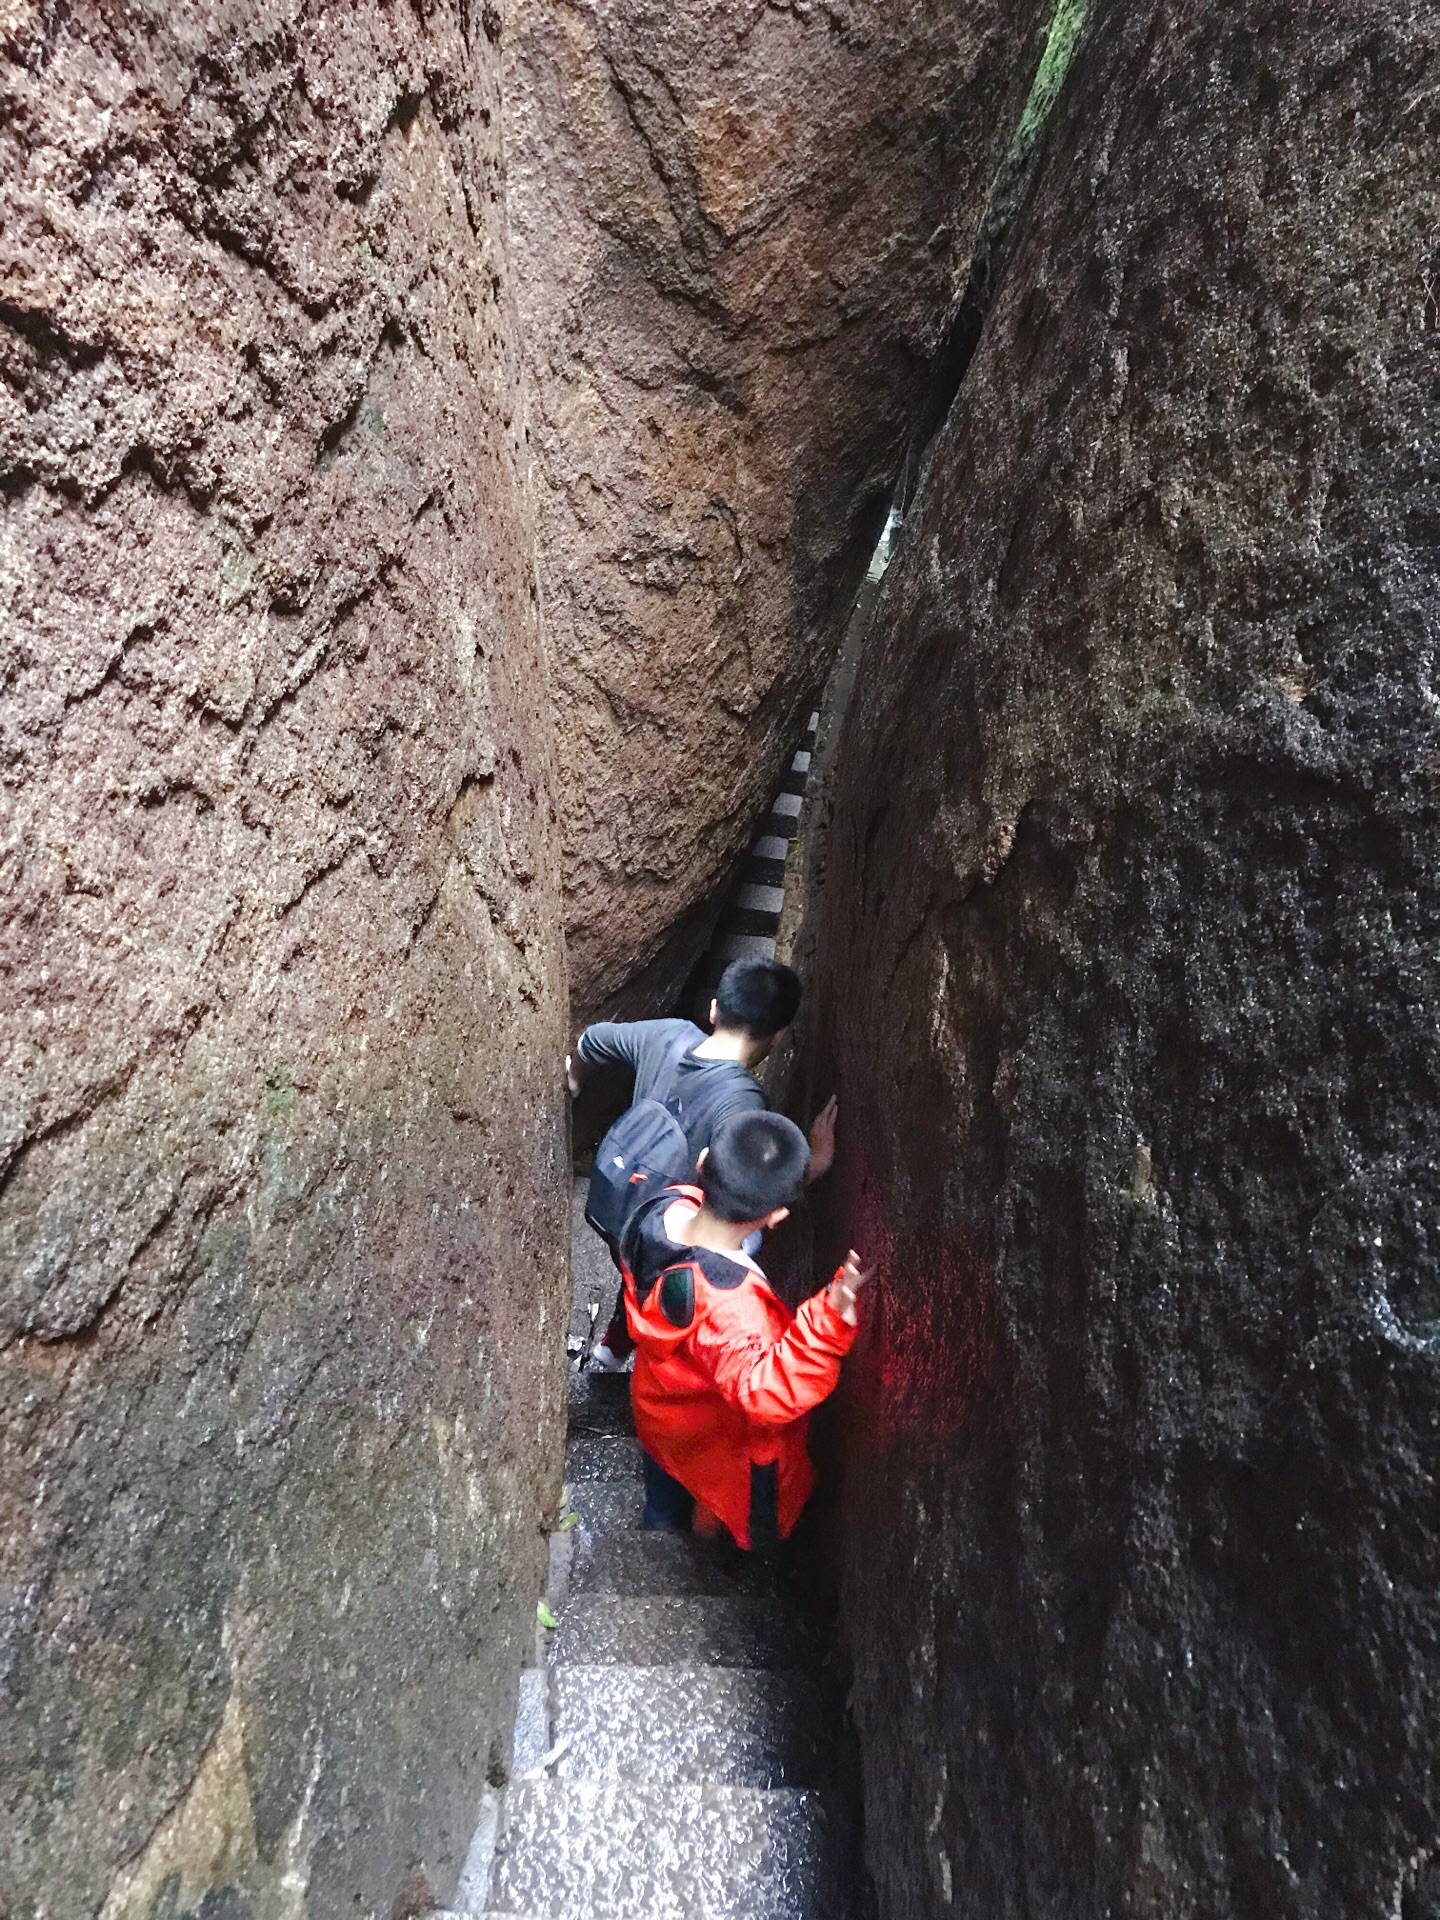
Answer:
(725, 1375)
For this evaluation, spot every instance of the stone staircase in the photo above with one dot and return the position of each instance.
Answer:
(750, 919)
(682, 1752)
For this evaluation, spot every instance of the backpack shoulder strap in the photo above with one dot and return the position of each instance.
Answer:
(679, 1047)
(723, 1076)
(644, 1252)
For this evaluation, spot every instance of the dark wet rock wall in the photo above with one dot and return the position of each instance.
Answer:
(1126, 976)
(282, 1222)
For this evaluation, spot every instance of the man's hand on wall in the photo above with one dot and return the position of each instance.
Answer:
(822, 1139)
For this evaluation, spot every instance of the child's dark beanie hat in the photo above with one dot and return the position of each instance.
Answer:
(757, 1162)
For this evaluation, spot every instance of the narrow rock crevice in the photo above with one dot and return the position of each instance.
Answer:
(503, 510)
(1013, 181)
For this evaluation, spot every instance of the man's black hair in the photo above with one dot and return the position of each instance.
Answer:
(756, 1163)
(758, 996)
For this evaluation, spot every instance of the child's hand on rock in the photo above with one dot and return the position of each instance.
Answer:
(845, 1288)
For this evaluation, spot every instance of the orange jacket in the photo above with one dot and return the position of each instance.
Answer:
(725, 1375)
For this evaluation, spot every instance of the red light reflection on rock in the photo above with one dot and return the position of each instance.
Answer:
(935, 1358)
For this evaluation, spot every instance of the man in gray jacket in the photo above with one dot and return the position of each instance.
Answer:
(712, 1080)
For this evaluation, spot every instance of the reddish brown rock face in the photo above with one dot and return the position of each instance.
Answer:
(282, 1229)
(737, 230)
(1126, 955)
(1127, 968)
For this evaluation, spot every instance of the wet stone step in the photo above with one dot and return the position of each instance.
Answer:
(745, 919)
(781, 826)
(762, 872)
(612, 1850)
(759, 897)
(608, 1506)
(771, 847)
(644, 1563)
(744, 946)
(658, 1630)
(605, 1456)
(600, 1403)
(738, 1727)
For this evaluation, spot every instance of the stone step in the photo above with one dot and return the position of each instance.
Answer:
(760, 898)
(608, 1506)
(675, 1563)
(657, 1726)
(600, 1403)
(612, 1850)
(532, 1720)
(657, 1630)
(763, 873)
(606, 1456)
(743, 946)
(771, 846)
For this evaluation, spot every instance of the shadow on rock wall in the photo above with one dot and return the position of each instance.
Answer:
(283, 1213)
(1127, 968)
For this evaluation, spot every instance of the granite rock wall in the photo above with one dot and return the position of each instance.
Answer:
(737, 233)
(1126, 975)
(282, 1207)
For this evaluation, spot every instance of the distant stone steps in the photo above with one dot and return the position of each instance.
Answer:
(608, 1456)
(750, 920)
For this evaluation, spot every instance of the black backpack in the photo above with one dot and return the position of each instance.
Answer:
(644, 1152)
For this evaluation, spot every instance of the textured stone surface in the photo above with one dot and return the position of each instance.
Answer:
(599, 1850)
(602, 1456)
(737, 231)
(1129, 956)
(604, 1505)
(282, 1224)
(595, 1279)
(599, 1403)
(660, 1630)
(639, 1563)
(662, 1724)
(532, 1721)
